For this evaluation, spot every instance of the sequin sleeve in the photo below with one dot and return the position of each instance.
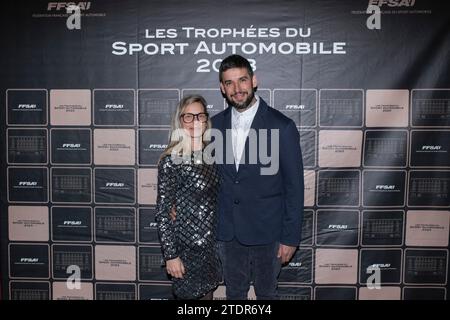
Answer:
(167, 186)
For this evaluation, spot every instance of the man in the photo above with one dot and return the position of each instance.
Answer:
(260, 214)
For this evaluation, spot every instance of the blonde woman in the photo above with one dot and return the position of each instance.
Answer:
(190, 187)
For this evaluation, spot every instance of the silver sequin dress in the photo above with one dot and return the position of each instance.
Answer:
(193, 188)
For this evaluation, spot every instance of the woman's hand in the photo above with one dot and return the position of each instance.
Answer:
(175, 268)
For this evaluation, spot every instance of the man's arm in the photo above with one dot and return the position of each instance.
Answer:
(291, 166)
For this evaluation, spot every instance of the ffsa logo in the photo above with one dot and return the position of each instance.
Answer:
(431, 148)
(114, 106)
(385, 187)
(295, 264)
(295, 107)
(157, 146)
(29, 260)
(57, 6)
(71, 145)
(392, 3)
(28, 183)
(338, 226)
(72, 223)
(26, 106)
(115, 184)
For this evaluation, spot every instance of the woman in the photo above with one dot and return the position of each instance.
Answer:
(190, 186)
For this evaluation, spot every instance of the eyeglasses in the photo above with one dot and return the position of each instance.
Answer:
(189, 117)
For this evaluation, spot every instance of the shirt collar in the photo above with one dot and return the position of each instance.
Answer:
(249, 113)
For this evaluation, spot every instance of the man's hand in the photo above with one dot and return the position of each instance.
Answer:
(173, 214)
(285, 253)
(175, 267)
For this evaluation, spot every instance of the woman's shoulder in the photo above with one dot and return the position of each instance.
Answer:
(168, 162)
(165, 160)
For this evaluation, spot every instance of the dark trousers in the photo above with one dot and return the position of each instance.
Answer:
(242, 264)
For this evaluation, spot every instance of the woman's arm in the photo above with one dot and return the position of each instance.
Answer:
(167, 186)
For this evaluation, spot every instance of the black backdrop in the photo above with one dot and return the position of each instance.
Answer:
(374, 117)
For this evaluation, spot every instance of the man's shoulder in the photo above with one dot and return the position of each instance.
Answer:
(277, 117)
(217, 116)
(220, 114)
(216, 119)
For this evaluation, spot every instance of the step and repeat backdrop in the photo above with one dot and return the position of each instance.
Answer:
(86, 102)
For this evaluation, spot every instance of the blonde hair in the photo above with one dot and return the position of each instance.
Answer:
(179, 140)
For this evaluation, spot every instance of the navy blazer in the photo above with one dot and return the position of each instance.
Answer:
(260, 209)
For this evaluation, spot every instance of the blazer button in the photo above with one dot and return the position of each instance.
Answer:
(236, 201)
(236, 182)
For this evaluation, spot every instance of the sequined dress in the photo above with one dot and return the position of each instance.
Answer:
(193, 188)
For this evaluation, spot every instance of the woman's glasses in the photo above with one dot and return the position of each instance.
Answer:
(189, 117)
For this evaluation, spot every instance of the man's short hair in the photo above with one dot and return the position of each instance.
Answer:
(234, 61)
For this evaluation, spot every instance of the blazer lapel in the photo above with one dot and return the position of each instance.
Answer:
(230, 166)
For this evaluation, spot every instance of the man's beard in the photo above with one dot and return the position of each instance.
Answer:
(242, 105)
